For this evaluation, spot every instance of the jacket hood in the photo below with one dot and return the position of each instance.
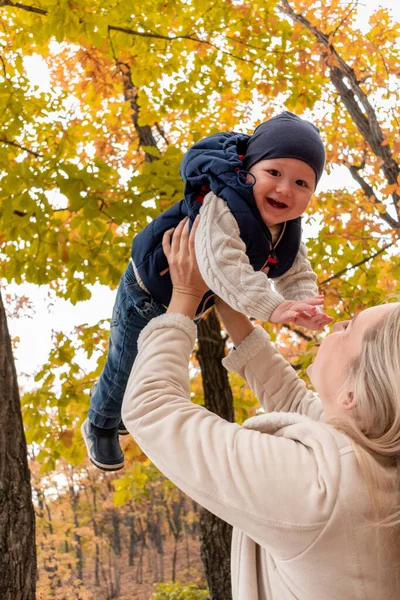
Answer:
(214, 162)
(214, 155)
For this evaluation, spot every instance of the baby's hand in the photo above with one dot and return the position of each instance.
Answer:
(301, 312)
(314, 322)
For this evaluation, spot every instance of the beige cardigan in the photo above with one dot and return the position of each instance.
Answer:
(288, 482)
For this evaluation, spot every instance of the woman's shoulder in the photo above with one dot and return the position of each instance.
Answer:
(317, 434)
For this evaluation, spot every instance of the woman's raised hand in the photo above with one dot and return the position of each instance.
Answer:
(188, 284)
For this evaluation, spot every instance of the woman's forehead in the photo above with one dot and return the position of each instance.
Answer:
(371, 315)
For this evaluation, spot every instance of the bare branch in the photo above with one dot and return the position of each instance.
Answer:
(345, 81)
(103, 239)
(131, 94)
(301, 334)
(173, 38)
(161, 132)
(151, 35)
(369, 192)
(38, 11)
(201, 17)
(242, 42)
(353, 5)
(112, 46)
(11, 143)
(362, 262)
(4, 67)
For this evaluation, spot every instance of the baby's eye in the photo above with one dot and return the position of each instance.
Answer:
(273, 172)
(345, 324)
(302, 183)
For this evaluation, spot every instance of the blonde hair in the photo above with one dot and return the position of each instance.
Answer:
(375, 425)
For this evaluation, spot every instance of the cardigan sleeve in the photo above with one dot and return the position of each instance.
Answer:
(225, 266)
(299, 282)
(279, 490)
(272, 379)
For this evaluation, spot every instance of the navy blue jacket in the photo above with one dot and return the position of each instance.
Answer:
(214, 163)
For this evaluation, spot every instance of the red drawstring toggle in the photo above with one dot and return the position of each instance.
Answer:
(203, 192)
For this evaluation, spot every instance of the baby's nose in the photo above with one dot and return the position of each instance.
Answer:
(284, 188)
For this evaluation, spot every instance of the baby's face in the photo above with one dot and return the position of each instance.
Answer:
(283, 188)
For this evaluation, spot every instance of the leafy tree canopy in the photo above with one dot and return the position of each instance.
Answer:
(85, 165)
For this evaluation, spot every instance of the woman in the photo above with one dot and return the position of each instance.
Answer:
(312, 486)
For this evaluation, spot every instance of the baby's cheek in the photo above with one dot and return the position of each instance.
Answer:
(299, 207)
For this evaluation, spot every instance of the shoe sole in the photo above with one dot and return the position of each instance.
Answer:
(123, 432)
(99, 465)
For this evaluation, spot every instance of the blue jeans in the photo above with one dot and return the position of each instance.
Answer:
(133, 309)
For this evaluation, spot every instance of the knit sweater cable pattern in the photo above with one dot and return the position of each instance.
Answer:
(226, 269)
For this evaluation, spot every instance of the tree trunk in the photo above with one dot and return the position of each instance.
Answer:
(116, 537)
(131, 93)
(96, 535)
(74, 498)
(139, 570)
(133, 538)
(17, 517)
(215, 534)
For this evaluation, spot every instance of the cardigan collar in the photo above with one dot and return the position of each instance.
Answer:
(274, 421)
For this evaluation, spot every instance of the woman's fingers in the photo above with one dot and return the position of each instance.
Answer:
(176, 240)
(193, 235)
(183, 239)
(184, 245)
(180, 240)
(166, 242)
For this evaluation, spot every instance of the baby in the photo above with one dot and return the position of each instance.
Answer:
(250, 192)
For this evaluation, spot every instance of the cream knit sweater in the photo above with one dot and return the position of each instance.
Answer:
(225, 266)
(226, 269)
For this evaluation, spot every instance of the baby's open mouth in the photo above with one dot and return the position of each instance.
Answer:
(276, 204)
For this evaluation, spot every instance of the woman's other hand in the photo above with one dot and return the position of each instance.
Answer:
(188, 284)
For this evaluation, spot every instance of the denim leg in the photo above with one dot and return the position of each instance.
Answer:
(133, 309)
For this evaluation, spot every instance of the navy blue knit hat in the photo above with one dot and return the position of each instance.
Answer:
(286, 136)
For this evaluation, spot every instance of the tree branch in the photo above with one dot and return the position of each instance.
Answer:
(168, 38)
(353, 5)
(38, 11)
(131, 94)
(345, 81)
(10, 143)
(161, 132)
(129, 31)
(369, 192)
(4, 67)
(362, 262)
(301, 334)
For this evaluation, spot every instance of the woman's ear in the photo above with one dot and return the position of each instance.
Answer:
(349, 402)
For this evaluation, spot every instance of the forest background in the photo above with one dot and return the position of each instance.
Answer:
(98, 102)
